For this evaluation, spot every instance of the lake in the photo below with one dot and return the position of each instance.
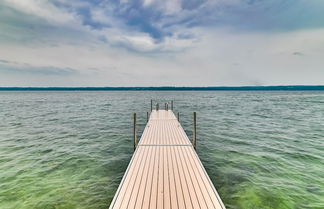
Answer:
(69, 149)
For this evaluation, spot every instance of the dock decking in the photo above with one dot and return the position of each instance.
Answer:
(165, 171)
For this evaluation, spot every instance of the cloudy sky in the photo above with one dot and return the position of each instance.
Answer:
(161, 42)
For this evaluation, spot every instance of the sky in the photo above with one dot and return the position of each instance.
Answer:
(161, 42)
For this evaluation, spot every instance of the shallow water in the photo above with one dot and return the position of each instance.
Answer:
(70, 149)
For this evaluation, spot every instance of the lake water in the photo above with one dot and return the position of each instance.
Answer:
(68, 150)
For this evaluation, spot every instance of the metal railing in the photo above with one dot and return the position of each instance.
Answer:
(166, 106)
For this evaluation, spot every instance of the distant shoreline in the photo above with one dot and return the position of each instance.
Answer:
(170, 88)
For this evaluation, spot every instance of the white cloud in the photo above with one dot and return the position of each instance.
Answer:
(147, 2)
(43, 9)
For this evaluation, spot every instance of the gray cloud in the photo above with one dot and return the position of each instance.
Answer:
(8, 67)
(298, 54)
(161, 42)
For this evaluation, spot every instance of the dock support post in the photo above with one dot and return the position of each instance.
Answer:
(194, 140)
(151, 105)
(147, 116)
(134, 131)
(157, 106)
(178, 116)
(172, 105)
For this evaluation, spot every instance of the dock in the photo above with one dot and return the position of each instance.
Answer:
(165, 170)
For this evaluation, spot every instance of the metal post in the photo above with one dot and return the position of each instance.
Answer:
(194, 140)
(178, 117)
(167, 107)
(134, 131)
(172, 105)
(151, 105)
(147, 116)
(157, 106)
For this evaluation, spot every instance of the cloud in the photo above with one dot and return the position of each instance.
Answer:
(185, 42)
(298, 54)
(9, 67)
(152, 25)
(44, 9)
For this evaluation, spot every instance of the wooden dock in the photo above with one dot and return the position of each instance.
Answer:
(165, 171)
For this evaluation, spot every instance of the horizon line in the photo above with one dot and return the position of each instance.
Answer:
(164, 88)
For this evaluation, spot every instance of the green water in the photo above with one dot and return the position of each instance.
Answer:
(70, 149)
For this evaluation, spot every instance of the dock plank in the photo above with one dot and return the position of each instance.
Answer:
(165, 171)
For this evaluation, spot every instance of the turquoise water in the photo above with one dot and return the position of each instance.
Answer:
(70, 149)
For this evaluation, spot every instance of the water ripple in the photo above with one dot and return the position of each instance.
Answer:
(70, 149)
